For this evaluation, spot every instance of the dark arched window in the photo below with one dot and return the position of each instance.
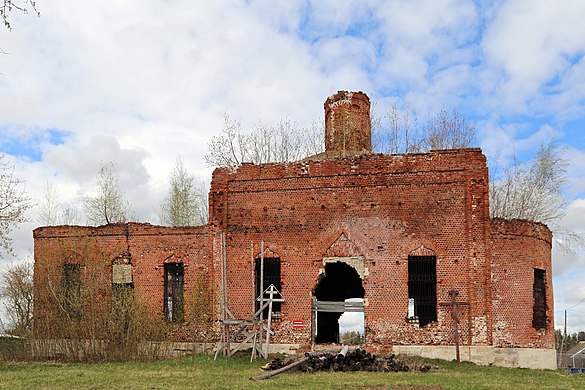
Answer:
(539, 292)
(422, 288)
(271, 276)
(174, 275)
(71, 285)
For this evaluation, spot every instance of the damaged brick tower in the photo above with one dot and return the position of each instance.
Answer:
(347, 124)
(406, 233)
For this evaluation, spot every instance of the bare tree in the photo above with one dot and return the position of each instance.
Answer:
(68, 214)
(448, 131)
(185, 203)
(23, 6)
(396, 132)
(264, 144)
(202, 190)
(53, 212)
(109, 204)
(88, 313)
(534, 192)
(400, 135)
(403, 134)
(228, 148)
(13, 203)
(49, 205)
(17, 293)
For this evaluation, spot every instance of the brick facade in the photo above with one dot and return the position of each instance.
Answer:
(518, 248)
(388, 207)
(366, 214)
(96, 249)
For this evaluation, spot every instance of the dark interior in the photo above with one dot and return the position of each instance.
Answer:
(339, 282)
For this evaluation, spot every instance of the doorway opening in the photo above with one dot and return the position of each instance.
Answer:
(339, 290)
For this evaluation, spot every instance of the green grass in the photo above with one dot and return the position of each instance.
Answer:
(201, 372)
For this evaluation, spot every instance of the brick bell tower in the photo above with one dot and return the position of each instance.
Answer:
(347, 124)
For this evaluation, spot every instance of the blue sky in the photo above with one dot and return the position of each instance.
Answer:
(139, 83)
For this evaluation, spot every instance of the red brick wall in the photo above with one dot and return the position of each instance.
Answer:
(387, 206)
(518, 247)
(95, 248)
(87, 247)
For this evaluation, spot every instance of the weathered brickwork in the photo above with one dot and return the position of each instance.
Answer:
(387, 206)
(519, 247)
(147, 248)
(349, 208)
(347, 124)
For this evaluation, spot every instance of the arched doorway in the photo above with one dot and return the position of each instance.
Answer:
(339, 282)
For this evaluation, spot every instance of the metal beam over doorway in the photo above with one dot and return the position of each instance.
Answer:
(338, 307)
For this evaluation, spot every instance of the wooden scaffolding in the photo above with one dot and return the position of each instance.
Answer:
(236, 333)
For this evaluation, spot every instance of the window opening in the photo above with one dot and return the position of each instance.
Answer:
(539, 309)
(122, 295)
(422, 288)
(174, 275)
(123, 314)
(271, 276)
(71, 284)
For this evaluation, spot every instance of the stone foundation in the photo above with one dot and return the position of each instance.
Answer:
(544, 359)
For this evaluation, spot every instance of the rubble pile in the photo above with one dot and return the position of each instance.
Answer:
(345, 360)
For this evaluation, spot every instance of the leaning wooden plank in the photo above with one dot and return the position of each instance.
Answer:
(220, 347)
(237, 347)
(253, 355)
(280, 370)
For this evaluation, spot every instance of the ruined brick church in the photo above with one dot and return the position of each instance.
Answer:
(410, 235)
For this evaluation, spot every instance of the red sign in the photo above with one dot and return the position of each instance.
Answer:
(298, 323)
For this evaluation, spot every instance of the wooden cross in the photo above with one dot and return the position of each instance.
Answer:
(454, 304)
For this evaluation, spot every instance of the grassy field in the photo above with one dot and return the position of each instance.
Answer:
(201, 372)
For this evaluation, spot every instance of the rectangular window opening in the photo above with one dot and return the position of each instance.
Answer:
(123, 313)
(422, 288)
(71, 287)
(122, 296)
(174, 278)
(539, 292)
(122, 289)
(271, 276)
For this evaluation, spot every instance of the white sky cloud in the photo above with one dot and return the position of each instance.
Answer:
(533, 43)
(139, 83)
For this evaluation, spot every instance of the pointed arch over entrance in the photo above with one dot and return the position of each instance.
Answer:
(339, 282)
(343, 247)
